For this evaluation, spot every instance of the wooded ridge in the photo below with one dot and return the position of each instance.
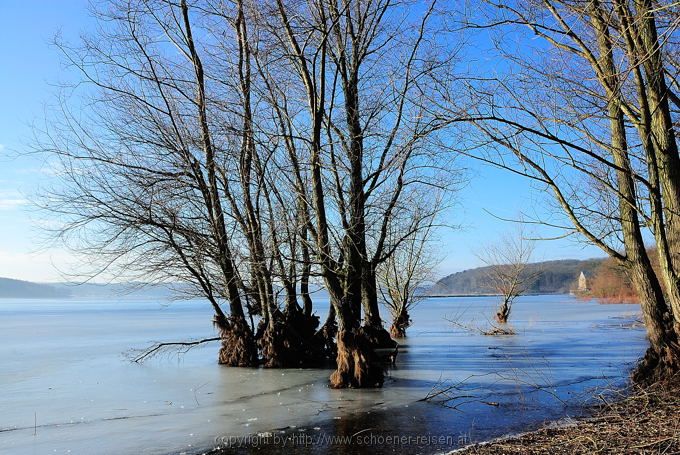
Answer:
(555, 277)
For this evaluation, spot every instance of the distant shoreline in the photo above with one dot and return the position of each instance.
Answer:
(439, 296)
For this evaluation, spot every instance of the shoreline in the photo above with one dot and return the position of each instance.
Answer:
(640, 420)
(627, 420)
(431, 433)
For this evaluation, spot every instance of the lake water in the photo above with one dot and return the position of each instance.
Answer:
(66, 385)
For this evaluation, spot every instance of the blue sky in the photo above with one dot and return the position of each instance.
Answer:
(30, 69)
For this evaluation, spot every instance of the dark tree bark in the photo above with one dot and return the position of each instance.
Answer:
(622, 52)
(662, 359)
(238, 345)
(400, 324)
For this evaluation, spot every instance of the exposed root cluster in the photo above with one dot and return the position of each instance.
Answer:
(400, 324)
(357, 364)
(238, 344)
(498, 331)
(657, 367)
(290, 341)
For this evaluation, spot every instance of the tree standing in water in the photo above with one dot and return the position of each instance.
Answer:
(401, 279)
(368, 135)
(507, 270)
(244, 147)
(590, 116)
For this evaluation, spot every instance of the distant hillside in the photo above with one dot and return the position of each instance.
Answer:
(18, 289)
(556, 277)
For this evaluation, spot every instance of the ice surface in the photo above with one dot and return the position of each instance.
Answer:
(65, 386)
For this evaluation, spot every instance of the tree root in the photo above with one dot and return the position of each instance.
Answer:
(657, 367)
(498, 331)
(291, 341)
(238, 345)
(357, 363)
(400, 324)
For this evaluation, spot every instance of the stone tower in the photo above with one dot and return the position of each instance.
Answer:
(582, 282)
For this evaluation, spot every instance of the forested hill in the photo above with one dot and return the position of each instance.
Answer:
(19, 289)
(555, 277)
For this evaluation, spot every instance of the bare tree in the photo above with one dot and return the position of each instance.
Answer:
(508, 269)
(247, 147)
(401, 278)
(140, 173)
(586, 117)
(165, 178)
(368, 137)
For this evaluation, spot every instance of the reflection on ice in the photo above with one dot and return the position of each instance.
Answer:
(66, 386)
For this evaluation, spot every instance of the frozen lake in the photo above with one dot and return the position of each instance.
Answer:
(66, 387)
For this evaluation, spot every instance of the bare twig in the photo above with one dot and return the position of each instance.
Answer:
(180, 344)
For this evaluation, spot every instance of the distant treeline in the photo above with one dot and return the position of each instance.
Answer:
(556, 277)
(611, 283)
(606, 281)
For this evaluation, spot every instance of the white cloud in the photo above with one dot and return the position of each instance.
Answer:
(12, 203)
(11, 199)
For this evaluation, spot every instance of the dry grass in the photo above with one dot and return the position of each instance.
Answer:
(645, 422)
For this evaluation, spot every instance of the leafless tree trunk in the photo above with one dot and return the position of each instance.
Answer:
(603, 144)
(401, 277)
(508, 270)
(250, 147)
(354, 190)
(237, 349)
